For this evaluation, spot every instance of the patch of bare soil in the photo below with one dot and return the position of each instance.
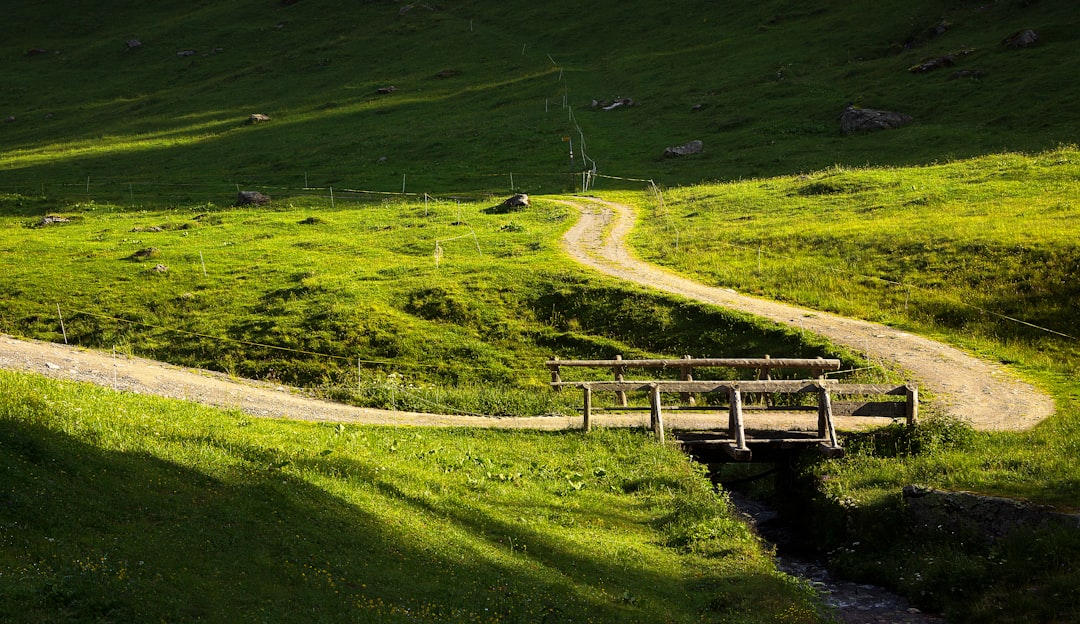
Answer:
(979, 392)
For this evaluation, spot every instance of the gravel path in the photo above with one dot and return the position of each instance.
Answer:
(133, 374)
(980, 392)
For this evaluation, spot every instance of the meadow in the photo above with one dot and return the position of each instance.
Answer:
(126, 508)
(380, 276)
(478, 99)
(434, 305)
(980, 253)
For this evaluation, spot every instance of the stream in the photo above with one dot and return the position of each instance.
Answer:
(848, 602)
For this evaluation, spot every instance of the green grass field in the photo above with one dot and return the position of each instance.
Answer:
(481, 88)
(440, 305)
(379, 276)
(125, 508)
(980, 253)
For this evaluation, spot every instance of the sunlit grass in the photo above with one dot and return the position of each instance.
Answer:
(151, 502)
(981, 253)
(432, 305)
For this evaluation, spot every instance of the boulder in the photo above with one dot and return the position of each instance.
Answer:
(145, 254)
(186, 53)
(974, 74)
(514, 203)
(255, 118)
(131, 44)
(1021, 39)
(520, 200)
(36, 51)
(947, 60)
(251, 198)
(610, 105)
(932, 64)
(511, 204)
(386, 90)
(48, 220)
(855, 119)
(686, 149)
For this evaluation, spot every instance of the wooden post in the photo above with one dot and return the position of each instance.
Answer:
(620, 395)
(735, 418)
(657, 418)
(826, 429)
(765, 374)
(587, 410)
(819, 373)
(555, 377)
(687, 374)
(912, 404)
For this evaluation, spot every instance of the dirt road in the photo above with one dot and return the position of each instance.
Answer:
(980, 392)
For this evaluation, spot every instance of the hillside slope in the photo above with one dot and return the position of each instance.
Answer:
(479, 89)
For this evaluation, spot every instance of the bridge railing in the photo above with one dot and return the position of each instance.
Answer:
(763, 367)
(735, 392)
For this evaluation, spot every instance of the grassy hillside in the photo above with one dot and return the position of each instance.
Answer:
(124, 508)
(981, 253)
(480, 88)
(141, 147)
(442, 305)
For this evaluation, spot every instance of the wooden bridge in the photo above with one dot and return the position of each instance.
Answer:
(740, 395)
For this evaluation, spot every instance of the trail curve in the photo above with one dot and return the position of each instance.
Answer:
(982, 393)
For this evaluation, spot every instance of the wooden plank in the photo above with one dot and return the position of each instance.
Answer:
(869, 389)
(773, 363)
(785, 386)
(754, 441)
(875, 409)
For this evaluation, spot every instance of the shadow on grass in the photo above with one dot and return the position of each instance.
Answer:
(96, 535)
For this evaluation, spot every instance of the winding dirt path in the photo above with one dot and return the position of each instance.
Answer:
(980, 392)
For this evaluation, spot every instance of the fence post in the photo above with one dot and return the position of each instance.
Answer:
(587, 410)
(620, 394)
(555, 377)
(735, 418)
(912, 404)
(826, 429)
(686, 373)
(765, 374)
(657, 418)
